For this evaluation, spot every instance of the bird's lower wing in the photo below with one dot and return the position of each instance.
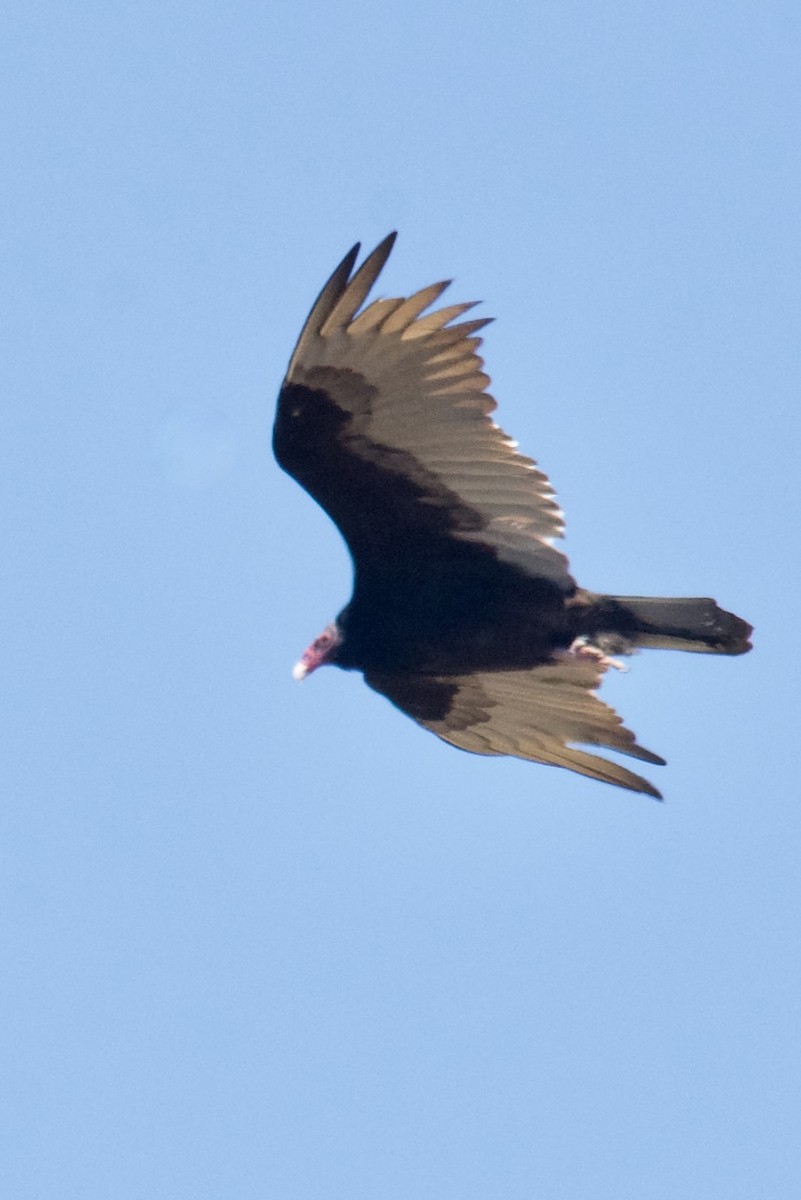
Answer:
(540, 714)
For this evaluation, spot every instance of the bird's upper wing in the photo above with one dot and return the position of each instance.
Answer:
(383, 417)
(538, 714)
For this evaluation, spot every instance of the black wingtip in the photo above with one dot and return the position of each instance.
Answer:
(384, 249)
(643, 787)
(347, 264)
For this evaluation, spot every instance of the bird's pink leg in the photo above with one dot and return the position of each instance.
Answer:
(581, 648)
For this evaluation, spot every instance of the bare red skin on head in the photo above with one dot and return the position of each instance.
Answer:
(318, 653)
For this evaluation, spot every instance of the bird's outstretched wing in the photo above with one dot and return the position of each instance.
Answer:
(540, 714)
(383, 417)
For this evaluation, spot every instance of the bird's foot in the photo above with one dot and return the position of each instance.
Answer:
(581, 648)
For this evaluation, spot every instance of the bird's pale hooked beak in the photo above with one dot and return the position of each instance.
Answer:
(319, 652)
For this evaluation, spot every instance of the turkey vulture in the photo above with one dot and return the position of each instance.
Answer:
(463, 613)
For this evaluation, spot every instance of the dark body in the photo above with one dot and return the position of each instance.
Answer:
(477, 614)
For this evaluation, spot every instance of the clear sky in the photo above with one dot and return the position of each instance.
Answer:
(262, 940)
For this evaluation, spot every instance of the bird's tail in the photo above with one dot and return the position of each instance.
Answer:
(668, 623)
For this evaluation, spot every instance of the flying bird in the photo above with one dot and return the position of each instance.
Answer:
(463, 613)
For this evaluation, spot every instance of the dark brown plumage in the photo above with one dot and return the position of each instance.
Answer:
(463, 613)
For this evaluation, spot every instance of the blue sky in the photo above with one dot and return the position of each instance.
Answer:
(267, 940)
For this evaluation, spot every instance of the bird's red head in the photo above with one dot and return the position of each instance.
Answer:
(319, 652)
